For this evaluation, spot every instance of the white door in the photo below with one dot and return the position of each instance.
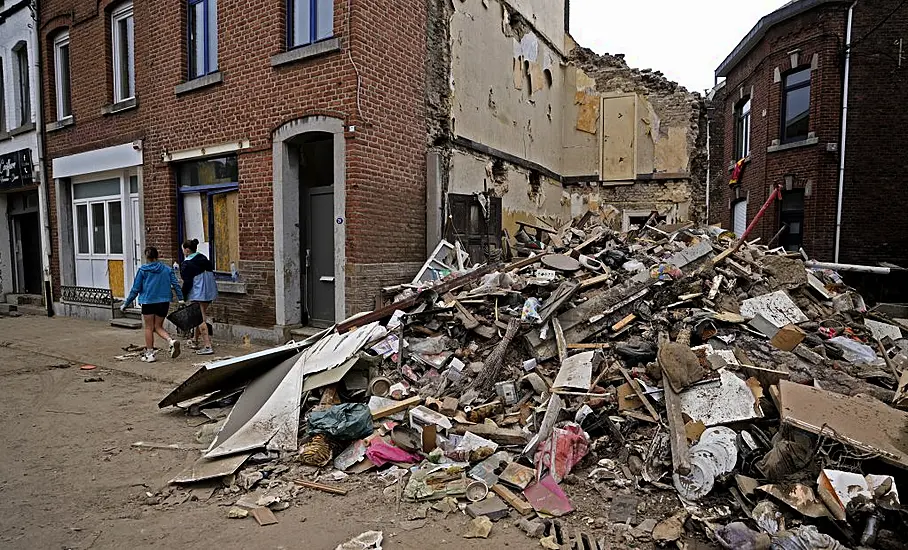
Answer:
(739, 217)
(98, 232)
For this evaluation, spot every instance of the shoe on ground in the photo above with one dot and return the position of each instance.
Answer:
(174, 348)
(192, 344)
(205, 351)
(149, 356)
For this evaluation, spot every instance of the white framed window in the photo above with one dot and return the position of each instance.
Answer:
(62, 83)
(123, 48)
(742, 130)
(98, 219)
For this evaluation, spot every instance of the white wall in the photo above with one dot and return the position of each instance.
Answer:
(13, 30)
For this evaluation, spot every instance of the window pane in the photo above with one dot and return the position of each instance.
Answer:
(212, 35)
(133, 184)
(325, 19)
(797, 113)
(125, 62)
(116, 227)
(131, 55)
(25, 107)
(82, 228)
(797, 78)
(196, 40)
(103, 188)
(63, 87)
(208, 172)
(301, 22)
(793, 201)
(3, 127)
(98, 237)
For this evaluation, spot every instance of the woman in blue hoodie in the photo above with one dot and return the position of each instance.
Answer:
(152, 286)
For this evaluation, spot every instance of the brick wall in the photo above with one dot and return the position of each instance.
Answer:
(385, 164)
(875, 201)
(819, 33)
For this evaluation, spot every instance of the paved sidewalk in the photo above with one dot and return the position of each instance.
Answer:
(97, 343)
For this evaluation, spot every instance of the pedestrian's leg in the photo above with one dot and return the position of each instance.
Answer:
(159, 328)
(203, 328)
(173, 344)
(149, 331)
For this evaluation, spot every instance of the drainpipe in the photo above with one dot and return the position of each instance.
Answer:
(708, 166)
(44, 191)
(842, 141)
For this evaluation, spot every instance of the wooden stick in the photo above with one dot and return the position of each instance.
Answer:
(523, 507)
(593, 281)
(680, 450)
(397, 407)
(624, 322)
(320, 487)
(559, 340)
(594, 345)
(889, 362)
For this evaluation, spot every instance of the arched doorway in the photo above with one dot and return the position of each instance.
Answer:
(309, 221)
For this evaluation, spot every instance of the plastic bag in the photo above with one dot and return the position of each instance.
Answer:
(530, 310)
(805, 538)
(344, 422)
(855, 352)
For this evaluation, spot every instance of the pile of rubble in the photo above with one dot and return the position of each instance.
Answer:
(696, 387)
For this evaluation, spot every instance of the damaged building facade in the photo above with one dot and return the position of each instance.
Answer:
(525, 125)
(813, 101)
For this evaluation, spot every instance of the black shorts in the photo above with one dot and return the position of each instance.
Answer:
(160, 309)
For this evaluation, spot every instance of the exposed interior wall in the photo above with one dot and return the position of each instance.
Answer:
(506, 81)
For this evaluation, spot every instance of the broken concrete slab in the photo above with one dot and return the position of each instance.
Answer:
(576, 372)
(492, 507)
(725, 401)
(776, 307)
(205, 468)
(860, 422)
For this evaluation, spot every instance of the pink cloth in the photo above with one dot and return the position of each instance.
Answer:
(562, 451)
(381, 453)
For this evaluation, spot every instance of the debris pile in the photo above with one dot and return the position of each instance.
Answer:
(651, 387)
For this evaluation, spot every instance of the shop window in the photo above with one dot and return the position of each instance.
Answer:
(202, 48)
(62, 83)
(309, 21)
(742, 130)
(796, 106)
(209, 208)
(792, 218)
(122, 34)
(476, 223)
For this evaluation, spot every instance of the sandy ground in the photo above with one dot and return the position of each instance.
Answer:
(70, 477)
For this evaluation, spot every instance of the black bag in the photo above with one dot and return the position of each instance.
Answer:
(187, 318)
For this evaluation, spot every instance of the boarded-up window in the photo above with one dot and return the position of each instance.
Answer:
(478, 229)
(619, 138)
(209, 193)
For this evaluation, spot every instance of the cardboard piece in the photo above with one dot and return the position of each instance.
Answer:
(788, 337)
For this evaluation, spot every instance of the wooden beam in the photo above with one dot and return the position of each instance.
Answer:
(680, 450)
(593, 345)
(657, 418)
(320, 487)
(624, 322)
(595, 281)
(523, 507)
(559, 340)
(396, 408)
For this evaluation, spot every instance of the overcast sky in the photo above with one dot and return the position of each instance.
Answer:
(685, 39)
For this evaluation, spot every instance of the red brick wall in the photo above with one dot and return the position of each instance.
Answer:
(385, 164)
(875, 198)
(819, 32)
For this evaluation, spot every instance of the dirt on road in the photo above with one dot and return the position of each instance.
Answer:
(71, 478)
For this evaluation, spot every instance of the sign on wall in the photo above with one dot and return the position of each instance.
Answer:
(16, 169)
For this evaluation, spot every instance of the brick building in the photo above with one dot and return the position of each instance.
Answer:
(780, 111)
(288, 137)
(24, 228)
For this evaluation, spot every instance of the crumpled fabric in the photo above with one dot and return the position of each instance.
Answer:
(806, 537)
(563, 450)
(665, 272)
(738, 536)
(381, 453)
(346, 422)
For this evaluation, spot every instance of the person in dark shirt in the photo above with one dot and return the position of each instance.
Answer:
(199, 285)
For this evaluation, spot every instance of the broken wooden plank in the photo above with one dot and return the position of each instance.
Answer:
(465, 317)
(523, 507)
(520, 264)
(321, 487)
(559, 340)
(397, 407)
(640, 395)
(595, 281)
(639, 416)
(562, 294)
(440, 289)
(591, 345)
(677, 433)
(624, 322)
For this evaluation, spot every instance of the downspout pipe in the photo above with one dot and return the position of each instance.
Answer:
(44, 189)
(708, 166)
(843, 140)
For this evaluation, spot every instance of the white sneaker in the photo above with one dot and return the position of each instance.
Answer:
(205, 351)
(149, 356)
(174, 348)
